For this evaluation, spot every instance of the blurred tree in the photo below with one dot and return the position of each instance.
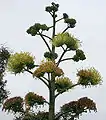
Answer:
(51, 74)
(4, 55)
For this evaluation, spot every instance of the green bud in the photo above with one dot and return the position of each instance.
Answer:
(75, 58)
(82, 57)
(32, 31)
(80, 54)
(53, 3)
(43, 27)
(37, 26)
(48, 9)
(47, 55)
(71, 22)
(54, 8)
(65, 15)
(50, 55)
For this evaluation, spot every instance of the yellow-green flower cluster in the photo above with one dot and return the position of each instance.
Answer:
(66, 39)
(18, 61)
(63, 84)
(89, 77)
(48, 67)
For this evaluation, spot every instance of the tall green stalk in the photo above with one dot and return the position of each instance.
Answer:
(52, 83)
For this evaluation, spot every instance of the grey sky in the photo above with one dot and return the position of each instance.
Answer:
(17, 15)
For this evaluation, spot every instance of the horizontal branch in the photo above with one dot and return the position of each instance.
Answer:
(66, 91)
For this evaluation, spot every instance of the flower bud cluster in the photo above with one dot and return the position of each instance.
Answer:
(79, 55)
(53, 8)
(70, 22)
(33, 30)
(65, 15)
(50, 55)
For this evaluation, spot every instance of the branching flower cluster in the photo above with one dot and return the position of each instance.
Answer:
(89, 77)
(13, 105)
(32, 99)
(73, 109)
(50, 73)
(20, 105)
(48, 67)
(63, 84)
(66, 39)
(18, 62)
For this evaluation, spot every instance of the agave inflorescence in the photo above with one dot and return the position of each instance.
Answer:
(63, 84)
(32, 99)
(14, 104)
(18, 61)
(89, 77)
(48, 67)
(66, 39)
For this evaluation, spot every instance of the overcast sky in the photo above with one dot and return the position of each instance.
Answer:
(16, 16)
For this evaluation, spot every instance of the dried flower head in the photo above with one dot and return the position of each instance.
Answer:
(76, 108)
(32, 99)
(14, 104)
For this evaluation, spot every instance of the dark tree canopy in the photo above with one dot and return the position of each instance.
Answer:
(4, 55)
